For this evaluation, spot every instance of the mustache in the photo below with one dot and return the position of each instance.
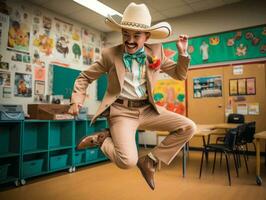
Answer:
(128, 43)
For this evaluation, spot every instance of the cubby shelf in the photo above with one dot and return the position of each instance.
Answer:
(32, 148)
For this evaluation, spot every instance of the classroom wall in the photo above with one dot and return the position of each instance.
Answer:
(235, 16)
(34, 22)
(208, 110)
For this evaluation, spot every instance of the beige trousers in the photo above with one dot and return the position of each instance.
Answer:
(123, 123)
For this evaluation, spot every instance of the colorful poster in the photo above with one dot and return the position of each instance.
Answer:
(210, 86)
(253, 109)
(63, 36)
(5, 78)
(39, 88)
(251, 86)
(241, 86)
(233, 87)
(3, 34)
(4, 66)
(39, 73)
(23, 85)
(19, 32)
(170, 94)
(6, 92)
(242, 109)
(88, 51)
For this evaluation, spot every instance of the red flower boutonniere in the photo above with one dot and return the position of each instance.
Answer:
(154, 62)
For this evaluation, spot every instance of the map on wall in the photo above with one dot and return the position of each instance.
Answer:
(235, 45)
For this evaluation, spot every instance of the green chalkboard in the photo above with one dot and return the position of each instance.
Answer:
(63, 80)
(248, 43)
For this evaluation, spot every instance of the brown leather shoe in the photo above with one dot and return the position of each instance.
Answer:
(147, 167)
(94, 140)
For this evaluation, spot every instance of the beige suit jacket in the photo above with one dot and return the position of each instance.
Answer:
(111, 63)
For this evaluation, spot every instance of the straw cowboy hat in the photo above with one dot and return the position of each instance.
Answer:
(137, 17)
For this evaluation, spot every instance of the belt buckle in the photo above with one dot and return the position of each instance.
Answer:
(129, 104)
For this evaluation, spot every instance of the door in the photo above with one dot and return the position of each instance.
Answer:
(205, 104)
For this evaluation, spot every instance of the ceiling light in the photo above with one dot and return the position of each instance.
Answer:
(98, 7)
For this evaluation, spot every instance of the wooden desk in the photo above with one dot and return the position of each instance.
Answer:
(258, 136)
(217, 126)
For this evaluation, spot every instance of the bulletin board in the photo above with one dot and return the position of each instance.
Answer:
(248, 43)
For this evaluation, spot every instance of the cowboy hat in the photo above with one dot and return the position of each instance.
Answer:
(137, 17)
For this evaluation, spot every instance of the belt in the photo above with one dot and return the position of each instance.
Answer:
(133, 103)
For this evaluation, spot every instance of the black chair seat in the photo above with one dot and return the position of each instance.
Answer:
(220, 147)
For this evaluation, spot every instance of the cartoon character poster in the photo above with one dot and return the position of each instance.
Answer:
(23, 85)
(43, 41)
(19, 30)
(67, 42)
(88, 52)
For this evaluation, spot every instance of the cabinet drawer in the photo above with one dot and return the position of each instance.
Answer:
(58, 161)
(32, 167)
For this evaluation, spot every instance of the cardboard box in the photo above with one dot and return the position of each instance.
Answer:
(49, 111)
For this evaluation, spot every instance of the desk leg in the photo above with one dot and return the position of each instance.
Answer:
(204, 146)
(206, 152)
(184, 159)
(258, 178)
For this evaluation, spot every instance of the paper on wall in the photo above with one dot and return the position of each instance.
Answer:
(242, 109)
(253, 109)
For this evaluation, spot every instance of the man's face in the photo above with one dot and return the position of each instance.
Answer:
(134, 40)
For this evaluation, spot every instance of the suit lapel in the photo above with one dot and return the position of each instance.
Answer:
(119, 65)
(149, 70)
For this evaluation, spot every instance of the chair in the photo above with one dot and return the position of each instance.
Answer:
(250, 132)
(236, 118)
(232, 118)
(241, 142)
(227, 147)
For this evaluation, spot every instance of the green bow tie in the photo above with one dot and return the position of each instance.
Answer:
(139, 56)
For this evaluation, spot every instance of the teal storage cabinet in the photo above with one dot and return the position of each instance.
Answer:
(60, 160)
(32, 167)
(31, 148)
(80, 130)
(100, 124)
(3, 171)
(91, 154)
(34, 164)
(100, 154)
(10, 133)
(61, 134)
(10, 160)
(35, 136)
(79, 158)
